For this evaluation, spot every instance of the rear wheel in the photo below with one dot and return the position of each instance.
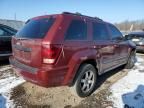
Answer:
(131, 60)
(85, 81)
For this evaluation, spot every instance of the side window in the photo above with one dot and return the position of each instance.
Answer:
(115, 32)
(77, 30)
(100, 31)
(4, 32)
(10, 31)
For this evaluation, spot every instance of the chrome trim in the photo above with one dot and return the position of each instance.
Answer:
(21, 48)
(9, 54)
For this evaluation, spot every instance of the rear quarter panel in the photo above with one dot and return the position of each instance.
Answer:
(75, 53)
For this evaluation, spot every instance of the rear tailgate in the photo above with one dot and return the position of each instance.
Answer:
(27, 51)
(26, 45)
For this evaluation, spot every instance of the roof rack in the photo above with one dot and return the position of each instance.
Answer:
(79, 14)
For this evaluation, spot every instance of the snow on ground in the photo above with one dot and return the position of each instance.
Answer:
(7, 82)
(128, 92)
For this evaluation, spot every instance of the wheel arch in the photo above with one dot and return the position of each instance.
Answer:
(89, 61)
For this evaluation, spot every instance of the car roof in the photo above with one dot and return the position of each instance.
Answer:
(80, 15)
(72, 15)
(85, 16)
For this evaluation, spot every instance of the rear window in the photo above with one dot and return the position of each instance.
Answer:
(36, 28)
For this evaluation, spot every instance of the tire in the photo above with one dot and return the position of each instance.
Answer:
(131, 60)
(85, 81)
(126, 106)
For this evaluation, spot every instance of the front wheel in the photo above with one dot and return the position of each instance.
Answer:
(131, 60)
(85, 81)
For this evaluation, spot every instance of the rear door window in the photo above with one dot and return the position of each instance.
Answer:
(77, 31)
(100, 31)
(36, 28)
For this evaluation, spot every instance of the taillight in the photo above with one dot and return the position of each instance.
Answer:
(50, 53)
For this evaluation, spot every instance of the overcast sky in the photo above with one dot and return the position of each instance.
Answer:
(109, 10)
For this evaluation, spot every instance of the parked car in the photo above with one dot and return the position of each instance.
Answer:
(138, 39)
(6, 34)
(69, 49)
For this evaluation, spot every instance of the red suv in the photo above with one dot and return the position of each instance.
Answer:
(69, 49)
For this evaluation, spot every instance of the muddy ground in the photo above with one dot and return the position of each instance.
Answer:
(28, 95)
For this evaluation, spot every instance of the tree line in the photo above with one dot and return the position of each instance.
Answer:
(131, 25)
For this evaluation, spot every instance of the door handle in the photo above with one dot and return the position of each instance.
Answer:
(96, 47)
(116, 45)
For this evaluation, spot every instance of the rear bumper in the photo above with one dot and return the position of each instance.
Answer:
(47, 77)
(4, 56)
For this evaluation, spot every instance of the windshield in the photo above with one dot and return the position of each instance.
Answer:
(36, 28)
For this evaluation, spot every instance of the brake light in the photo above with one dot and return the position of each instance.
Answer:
(50, 53)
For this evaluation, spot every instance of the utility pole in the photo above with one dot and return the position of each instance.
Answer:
(15, 16)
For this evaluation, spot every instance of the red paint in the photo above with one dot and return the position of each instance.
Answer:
(67, 55)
